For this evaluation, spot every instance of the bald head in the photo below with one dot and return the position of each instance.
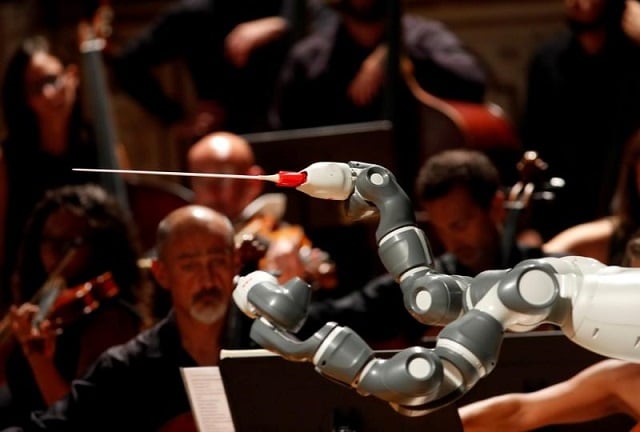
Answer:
(193, 220)
(224, 153)
(196, 263)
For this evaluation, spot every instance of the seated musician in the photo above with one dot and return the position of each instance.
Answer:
(77, 290)
(336, 75)
(252, 212)
(137, 386)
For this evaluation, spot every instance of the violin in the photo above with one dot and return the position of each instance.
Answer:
(254, 238)
(74, 303)
(61, 306)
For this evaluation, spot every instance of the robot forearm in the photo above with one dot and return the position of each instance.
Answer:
(598, 306)
(414, 381)
(403, 248)
(578, 294)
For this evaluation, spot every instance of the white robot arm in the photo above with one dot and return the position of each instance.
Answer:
(596, 306)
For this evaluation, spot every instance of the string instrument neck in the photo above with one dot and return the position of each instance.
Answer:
(63, 305)
(531, 169)
(92, 44)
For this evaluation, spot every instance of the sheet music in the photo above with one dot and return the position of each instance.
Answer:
(243, 353)
(208, 399)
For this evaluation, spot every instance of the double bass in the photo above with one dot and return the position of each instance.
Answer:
(433, 124)
(145, 200)
(448, 124)
(518, 202)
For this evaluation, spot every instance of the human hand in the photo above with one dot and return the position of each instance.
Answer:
(631, 20)
(247, 36)
(319, 267)
(283, 259)
(40, 340)
(367, 83)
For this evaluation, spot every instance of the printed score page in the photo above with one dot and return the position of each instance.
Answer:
(208, 399)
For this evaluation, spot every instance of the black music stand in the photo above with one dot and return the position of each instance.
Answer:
(267, 393)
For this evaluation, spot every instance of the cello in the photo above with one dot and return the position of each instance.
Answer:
(145, 200)
(532, 170)
(434, 124)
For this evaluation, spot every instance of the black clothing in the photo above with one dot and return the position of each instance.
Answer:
(377, 312)
(581, 109)
(30, 173)
(447, 263)
(314, 81)
(136, 386)
(116, 317)
(313, 85)
(194, 31)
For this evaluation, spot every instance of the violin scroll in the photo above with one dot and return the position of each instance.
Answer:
(534, 184)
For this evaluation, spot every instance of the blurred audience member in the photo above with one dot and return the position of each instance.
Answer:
(583, 104)
(46, 137)
(461, 194)
(77, 290)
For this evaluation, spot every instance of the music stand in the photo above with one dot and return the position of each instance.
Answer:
(268, 393)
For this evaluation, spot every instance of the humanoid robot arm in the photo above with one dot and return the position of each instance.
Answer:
(474, 312)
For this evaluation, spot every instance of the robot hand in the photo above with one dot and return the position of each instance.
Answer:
(408, 380)
(577, 294)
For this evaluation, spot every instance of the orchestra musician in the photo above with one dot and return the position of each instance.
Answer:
(77, 290)
(137, 385)
(341, 67)
(46, 134)
(287, 250)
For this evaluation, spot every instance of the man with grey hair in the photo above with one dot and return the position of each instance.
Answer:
(140, 381)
